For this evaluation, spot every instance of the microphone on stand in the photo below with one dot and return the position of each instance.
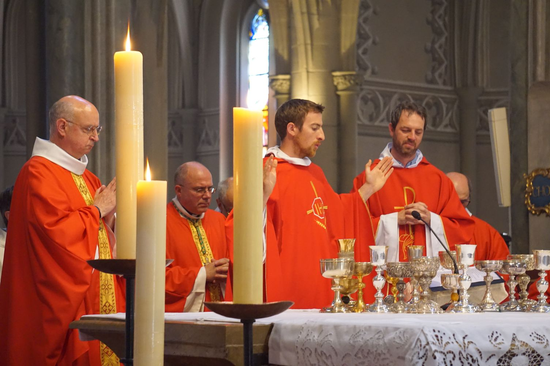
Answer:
(417, 216)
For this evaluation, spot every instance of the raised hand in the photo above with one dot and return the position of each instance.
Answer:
(270, 177)
(376, 177)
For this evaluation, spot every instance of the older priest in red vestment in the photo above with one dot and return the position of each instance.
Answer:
(60, 216)
(196, 240)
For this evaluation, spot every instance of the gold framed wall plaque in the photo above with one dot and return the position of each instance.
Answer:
(537, 191)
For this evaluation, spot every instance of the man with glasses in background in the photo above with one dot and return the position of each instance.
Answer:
(196, 240)
(60, 217)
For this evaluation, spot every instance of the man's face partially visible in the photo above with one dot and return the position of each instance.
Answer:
(310, 136)
(407, 135)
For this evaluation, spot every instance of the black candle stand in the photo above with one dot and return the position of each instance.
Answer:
(248, 313)
(127, 269)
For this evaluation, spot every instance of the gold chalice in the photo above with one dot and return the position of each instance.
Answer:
(346, 248)
(399, 271)
(524, 279)
(349, 286)
(488, 266)
(336, 269)
(361, 269)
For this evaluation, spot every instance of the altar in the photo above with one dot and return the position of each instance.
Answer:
(307, 337)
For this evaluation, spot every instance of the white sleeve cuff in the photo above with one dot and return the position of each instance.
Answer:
(195, 301)
(387, 233)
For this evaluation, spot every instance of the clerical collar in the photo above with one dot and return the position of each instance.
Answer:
(411, 164)
(468, 211)
(183, 212)
(278, 153)
(57, 155)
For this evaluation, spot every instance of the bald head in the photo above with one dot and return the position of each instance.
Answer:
(462, 186)
(74, 124)
(225, 196)
(193, 186)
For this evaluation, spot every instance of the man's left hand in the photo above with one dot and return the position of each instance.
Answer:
(376, 177)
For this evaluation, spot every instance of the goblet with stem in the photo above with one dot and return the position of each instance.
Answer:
(378, 255)
(414, 252)
(448, 262)
(336, 269)
(400, 271)
(451, 281)
(346, 248)
(488, 266)
(348, 286)
(361, 269)
(524, 279)
(542, 263)
(465, 254)
(427, 268)
(512, 267)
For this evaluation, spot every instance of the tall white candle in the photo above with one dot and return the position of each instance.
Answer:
(150, 272)
(129, 144)
(247, 208)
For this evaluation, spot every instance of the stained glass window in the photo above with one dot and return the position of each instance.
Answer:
(258, 67)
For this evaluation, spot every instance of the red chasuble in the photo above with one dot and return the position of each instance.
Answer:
(46, 282)
(424, 183)
(181, 247)
(304, 218)
(490, 244)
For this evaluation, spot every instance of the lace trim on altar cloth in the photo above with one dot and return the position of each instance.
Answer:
(370, 345)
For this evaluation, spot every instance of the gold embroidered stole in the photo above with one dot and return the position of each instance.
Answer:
(205, 252)
(107, 299)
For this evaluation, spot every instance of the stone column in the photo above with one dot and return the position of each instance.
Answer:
(467, 97)
(65, 49)
(35, 67)
(280, 84)
(150, 27)
(519, 35)
(346, 83)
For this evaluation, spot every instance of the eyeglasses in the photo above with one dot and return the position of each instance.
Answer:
(465, 202)
(90, 130)
(203, 190)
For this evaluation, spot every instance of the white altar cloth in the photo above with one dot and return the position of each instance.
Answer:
(307, 337)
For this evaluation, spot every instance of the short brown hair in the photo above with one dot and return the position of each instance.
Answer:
(295, 111)
(409, 107)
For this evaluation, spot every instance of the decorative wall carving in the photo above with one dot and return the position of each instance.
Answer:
(15, 140)
(175, 132)
(209, 140)
(489, 100)
(365, 39)
(377, 99)
(438, 48)
(280, 84)
(344, 80)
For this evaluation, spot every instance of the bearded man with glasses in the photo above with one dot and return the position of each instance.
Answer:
(196, 240)
(61, 217)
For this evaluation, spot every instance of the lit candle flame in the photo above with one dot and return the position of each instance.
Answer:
(148, 172)
(128, 43)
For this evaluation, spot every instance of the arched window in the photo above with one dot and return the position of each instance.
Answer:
(258, 67)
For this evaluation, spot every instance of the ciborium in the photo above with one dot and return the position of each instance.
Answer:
(400, 271)
(542, 263)
(513, 268)
(488, 266)
(336, 269)
(448, 262)
(425, 268)
(361, 269)
(524, 279)
(465, 255)
(378, 255)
